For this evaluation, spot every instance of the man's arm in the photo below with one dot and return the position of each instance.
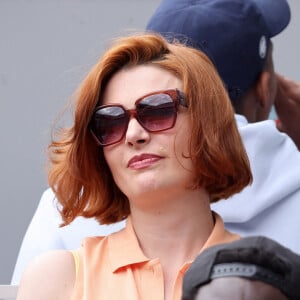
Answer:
(287, 105)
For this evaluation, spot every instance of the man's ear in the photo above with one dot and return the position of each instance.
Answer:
(263, 89)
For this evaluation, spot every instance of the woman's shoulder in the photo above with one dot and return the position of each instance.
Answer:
(49, 276)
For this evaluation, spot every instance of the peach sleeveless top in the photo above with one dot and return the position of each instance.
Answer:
(114, 267)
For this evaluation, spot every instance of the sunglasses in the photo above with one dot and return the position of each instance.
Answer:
(155, 112)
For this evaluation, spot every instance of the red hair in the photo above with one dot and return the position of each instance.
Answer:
(78, 172)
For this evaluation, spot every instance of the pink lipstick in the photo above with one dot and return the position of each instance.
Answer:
(143, 161)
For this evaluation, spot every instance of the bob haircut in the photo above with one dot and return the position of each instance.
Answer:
(78, 172)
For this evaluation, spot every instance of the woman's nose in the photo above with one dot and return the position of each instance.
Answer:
(136, 134)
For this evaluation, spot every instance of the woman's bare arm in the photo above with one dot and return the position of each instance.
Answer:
(50, 276)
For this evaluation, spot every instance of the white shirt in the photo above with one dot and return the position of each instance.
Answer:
(269, 207)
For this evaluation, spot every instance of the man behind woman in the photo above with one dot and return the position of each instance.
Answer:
(237, 36)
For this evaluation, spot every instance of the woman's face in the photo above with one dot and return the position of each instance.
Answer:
(144, 162)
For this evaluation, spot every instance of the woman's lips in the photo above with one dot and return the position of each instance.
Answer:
(143, 161)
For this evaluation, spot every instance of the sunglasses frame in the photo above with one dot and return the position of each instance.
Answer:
(176, 95)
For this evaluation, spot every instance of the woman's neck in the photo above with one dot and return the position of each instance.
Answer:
(174, 231)
(182, 226)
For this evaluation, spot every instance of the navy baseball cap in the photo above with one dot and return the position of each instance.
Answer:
(254, 258)
(235, 34)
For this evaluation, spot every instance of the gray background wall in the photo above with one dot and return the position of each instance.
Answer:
(45, 49)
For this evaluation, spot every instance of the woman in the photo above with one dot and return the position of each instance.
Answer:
(154, 141)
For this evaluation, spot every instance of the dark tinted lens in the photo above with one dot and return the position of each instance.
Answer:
(157, 112)
(109, 124)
